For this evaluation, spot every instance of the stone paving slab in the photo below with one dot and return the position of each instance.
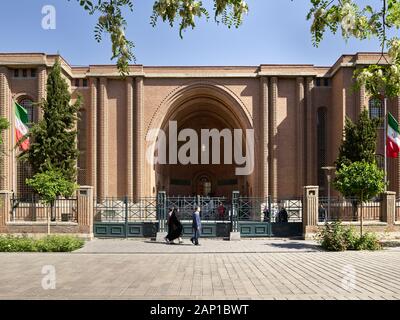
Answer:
(211, 276)
(206, 246)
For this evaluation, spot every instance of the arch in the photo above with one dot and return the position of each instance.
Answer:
(206, 89)
(198, 105)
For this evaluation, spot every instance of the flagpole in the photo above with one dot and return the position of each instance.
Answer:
(385, 141)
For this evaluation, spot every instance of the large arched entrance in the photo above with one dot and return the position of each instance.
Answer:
(212, 169)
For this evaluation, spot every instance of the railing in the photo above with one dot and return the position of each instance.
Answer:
(348, 210)
(211, 208)
(31, 208)
(113, 209)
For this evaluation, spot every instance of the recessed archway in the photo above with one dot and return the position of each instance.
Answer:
(199, 110)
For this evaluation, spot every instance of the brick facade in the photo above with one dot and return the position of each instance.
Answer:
(280, 102)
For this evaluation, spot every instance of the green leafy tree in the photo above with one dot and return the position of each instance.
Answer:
(359, 140)
(51, 184)
(362, 22)
(53, 139)
(112, 21)
(362, 180)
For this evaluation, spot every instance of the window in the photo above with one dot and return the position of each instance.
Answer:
(16, 73)
(24, 73)
(318, 82)
(33, 73)
(380, 161)
(28, 105)
(77, 82)
(375, 108)
(326, 82)
(85, 83)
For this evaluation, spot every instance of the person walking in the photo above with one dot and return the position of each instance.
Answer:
(196, 226)
(175, 227)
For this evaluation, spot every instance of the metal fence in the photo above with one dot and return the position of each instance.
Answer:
(348, 210)
(211, 208)
(113, 209)
(32, 208)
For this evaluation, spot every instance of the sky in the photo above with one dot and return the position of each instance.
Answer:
(273, 32)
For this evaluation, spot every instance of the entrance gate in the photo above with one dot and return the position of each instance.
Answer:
(252, 217)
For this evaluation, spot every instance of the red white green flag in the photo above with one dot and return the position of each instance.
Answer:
(21, 126)
(393, 138)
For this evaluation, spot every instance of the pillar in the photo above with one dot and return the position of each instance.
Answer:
(265, 138)
(139, 140)
(273, 139)
(103, 136)
(388, 207)
(5, 209)
(129, 137)
(300, 132)
(5, 99)
(311, 133)
(310, 211)
(362, 100)
(85, 210)
(92, 137)
(42, 86)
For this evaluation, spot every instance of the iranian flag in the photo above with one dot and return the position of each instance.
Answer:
(393, 137)
(21, 126)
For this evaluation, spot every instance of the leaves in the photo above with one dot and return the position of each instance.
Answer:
(360, 179)
(53, 139)
(51, 184)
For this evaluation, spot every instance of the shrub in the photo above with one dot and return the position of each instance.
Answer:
(368, 241)
(335, 237)
(332, 237)
(59, 244)
(52, 243)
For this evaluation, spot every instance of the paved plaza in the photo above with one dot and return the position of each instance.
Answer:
(217, 270)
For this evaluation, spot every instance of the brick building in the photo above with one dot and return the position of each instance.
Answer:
(297, 113)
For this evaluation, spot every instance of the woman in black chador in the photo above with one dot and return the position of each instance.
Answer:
(174, 227)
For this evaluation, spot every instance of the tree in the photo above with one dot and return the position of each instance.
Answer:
(112, 21)
(53, 139)
(51, 184)
(359, 141)
(362, 180)
(364, 22)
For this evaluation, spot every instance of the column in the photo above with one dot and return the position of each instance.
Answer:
(129, 137)
(388, 207)
(273, 139)
(85, 210)
(265, 138)
(300, 132)
(92, 137)
(42, 88)
(103, 136)
(139, 141)
(310, 211)
(362, 100)
(5, 209)
(5, 135)
(311, 127)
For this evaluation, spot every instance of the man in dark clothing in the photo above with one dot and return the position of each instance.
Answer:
(196, 226)
(283, 215)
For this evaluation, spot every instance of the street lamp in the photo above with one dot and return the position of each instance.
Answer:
(328, 178)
